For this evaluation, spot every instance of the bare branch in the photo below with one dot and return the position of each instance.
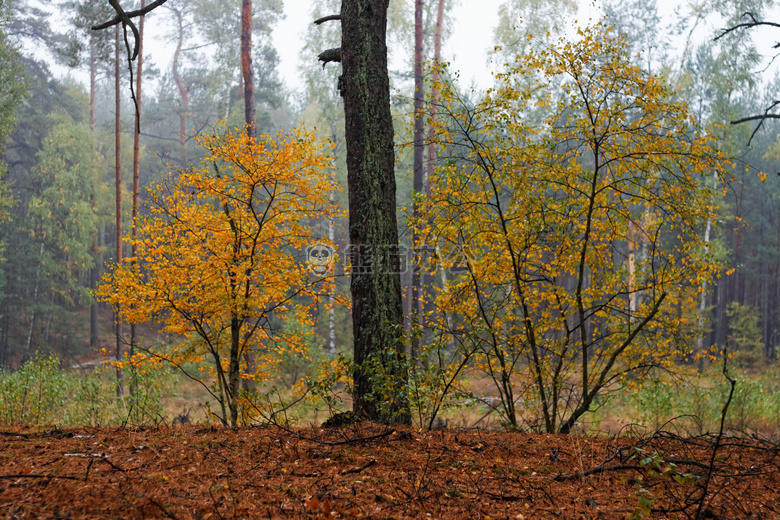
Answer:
(131, 14)
(763, 117)
(328, 18)
(330, 55)
(754, 22)
(126, 22)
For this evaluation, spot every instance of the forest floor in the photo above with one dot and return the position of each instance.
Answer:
(370, 471)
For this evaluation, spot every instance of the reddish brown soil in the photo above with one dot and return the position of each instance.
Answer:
(367, 471)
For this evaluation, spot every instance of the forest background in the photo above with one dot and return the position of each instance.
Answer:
(59, 163)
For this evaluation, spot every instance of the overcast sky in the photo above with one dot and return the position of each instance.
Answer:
(471, 40)
(467, 49)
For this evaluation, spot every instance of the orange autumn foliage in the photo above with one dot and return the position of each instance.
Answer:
(576, 190)
(220, 257)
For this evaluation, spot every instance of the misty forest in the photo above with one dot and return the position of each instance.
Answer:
(360, 295)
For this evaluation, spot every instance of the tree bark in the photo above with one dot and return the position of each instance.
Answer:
(431, 163)
(419, 173)
(332, 292)
(95, 273)
(118, 167)
(234, 370)
(246, 68)
(381, 374)
(434, 94)
(183, 92)
(248, 76)
(92, 78)
(34, 305)
(136, 170)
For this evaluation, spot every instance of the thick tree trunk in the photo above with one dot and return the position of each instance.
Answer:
(419, 173)
(118, 166)
(136, 169)
(381, 373)
(246, 67)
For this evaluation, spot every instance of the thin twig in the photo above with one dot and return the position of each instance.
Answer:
(597, 470)
(40, 475)
(346, 441)
(358, 470)
(723, 414)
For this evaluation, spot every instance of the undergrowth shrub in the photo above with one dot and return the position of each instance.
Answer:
(42, 393)
(698, 402)
(151, 384)
(93, 402)
(33, 395)
(656, 402)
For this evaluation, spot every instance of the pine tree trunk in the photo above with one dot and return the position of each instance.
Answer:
(118, 166)
(247, 73)
(419, 169)
(332, 292)
(136, 170)
(431, 163)
(434, 94)
(94, 275)
(246, 67)
(185, 95)
(381, 374)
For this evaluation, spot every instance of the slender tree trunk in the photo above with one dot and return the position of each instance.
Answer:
(631, 270)
(775, 304)
(47, 329)
(234, 372)
(431, 165)
(434, 95)
(419, 169)
(381, 374)
(118, 167)
(11, 278)
(246, 67)
(764, 270)
(35, 303)
(332, 293)
(136, 171)
(92, 82)
(94, 276)
(183, 92)
(703, 302)
(247, 73)
(720, 311)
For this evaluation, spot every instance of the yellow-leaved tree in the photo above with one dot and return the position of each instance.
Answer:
(220, 259)
(583, 232)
